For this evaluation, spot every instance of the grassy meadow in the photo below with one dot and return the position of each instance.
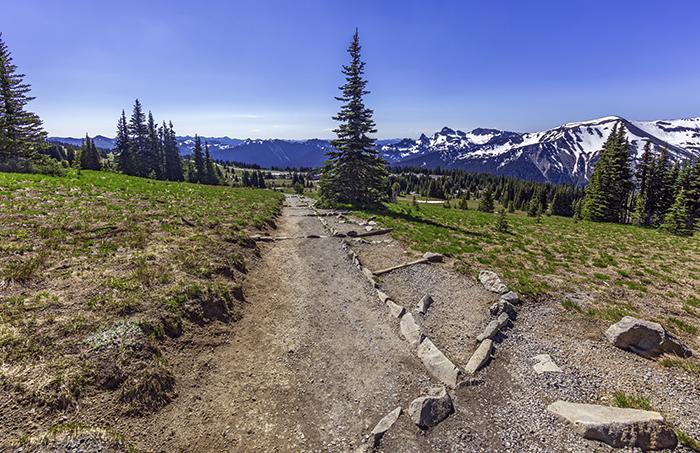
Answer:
(98, 269)
(600, 269)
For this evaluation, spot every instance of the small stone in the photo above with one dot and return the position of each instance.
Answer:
(494, 327)
(511, 297)
(384, 425)
(480, 357)
(433, 257)
(428, 411)
(503, 306)
(382, 296)
(545, 364)
(617, 427)
(425, 302)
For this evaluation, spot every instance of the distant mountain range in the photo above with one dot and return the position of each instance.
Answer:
(565, 154)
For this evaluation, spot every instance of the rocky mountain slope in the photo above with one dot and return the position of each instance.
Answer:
(563, 154)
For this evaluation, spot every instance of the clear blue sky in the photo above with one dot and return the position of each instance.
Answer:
(257, 68)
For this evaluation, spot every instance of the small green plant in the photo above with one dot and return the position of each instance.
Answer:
(682, 325)
(621, 399)
(501, 221)
(684, 364)
(569, 305)
(687, 440)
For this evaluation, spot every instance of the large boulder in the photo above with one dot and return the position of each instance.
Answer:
(646, 338)
(617, 427)
(492, 282)
(437, 363)
(427, 411)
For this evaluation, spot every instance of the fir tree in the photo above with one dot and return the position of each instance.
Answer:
(21, 133)
(501, 221)
(200, 169)
(610, 185)
(89, 156)
(486, 201)
(153, 158)
(645, 197)
(678, 220)
(354, 173)
(138, 139)
(122, 146)
(210, 173)
(172, 162)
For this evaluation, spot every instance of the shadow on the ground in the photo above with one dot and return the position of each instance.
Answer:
(383, 211)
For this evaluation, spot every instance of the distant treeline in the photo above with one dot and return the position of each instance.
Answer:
(512, 193)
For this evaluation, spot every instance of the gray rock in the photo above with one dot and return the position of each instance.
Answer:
(369, 228)
(383, 426)
(395, 309)
(433, 257)
(494, 327)
(410, 330)
(503, 306)
(368, 273)
(425, 302)
(427, 411)
(545, 364)
(480, 357)
(437, 363)
(351, 233)
(492, 282)
(645, 338)
(512, 297)
(382, 296)
(617, 427)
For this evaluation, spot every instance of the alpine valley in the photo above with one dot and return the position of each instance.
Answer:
(565, 154)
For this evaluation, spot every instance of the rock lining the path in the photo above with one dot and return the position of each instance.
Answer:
(396, 310)
(411, 331)
(503, 307)
(427, 411)
(617, 427)
(494, 327)
(645, 338)
(437, 363)
(425, 303)
(433, 257)
(401, 266)
(492, 282)
(480, 357)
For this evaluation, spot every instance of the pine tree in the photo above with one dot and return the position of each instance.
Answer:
(21, 133)
(678, 220)
(122, 146)
(354, 173)
(138, 139)
(173, 164)
(645, 196)
(501, 221)
(486, 201)
(610, 185)
(153, 158)
(89, 156)
(200, 169)
(210, 173)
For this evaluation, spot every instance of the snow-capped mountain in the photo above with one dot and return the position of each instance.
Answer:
(563, 154)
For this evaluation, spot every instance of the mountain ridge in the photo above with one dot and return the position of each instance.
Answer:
(564, 154)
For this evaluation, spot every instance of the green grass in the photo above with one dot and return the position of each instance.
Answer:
(684, 364)
(85, 252)
(628, 270)
(621, 399)
(687, 440)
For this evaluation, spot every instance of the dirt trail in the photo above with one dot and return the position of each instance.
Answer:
(311, 366)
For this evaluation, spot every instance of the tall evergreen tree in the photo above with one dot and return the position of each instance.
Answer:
(173, 164)
(138, 139)
(210, 173)
(153, 158)
(122, 146)
(645, 197)
(354, 173)
(200, 169)
(21, 132)
(486, 201)
(608, 191)
(678, 220)
(89, 156)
